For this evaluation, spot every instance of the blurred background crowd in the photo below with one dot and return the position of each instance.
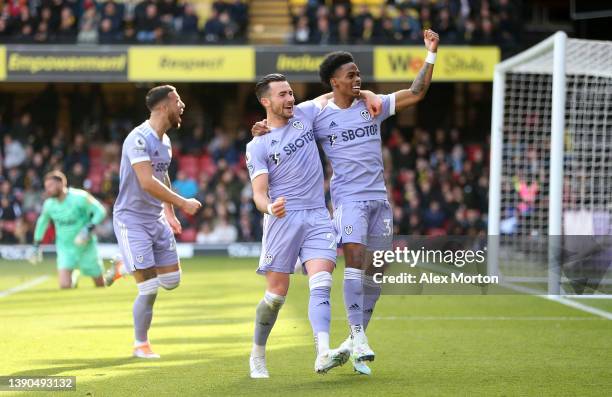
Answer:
(123, 22)
(470, 22)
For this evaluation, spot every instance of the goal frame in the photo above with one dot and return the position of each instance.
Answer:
(557, 43)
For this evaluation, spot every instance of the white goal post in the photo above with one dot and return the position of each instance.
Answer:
(550, 187)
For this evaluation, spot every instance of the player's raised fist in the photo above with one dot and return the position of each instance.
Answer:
(277, 208)
(431, 39)
(260, 128)
(191, 206)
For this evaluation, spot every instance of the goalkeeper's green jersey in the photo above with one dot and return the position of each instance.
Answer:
(69, 216)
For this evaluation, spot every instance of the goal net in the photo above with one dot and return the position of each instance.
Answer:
(550, 209)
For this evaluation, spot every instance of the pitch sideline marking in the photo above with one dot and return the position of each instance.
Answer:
(562, 300)
(24, 286)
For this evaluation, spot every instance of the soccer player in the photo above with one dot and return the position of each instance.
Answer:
(74, 213)
(143, 218)
(287, 180)
(350, 137)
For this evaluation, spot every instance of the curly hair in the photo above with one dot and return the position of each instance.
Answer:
(331, 63)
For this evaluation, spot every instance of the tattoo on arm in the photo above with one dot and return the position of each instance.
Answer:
(421, 82)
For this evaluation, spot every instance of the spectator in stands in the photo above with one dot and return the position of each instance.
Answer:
(149, 29)
(106, 34)
(213, 29)
(189, 24)
(113, 12)
(88, 27)
(343, 33)
(205, 234)
(67, 30)
(322, 34)
(301, 35)
(14, 152)
(185, 186)
(225, 232)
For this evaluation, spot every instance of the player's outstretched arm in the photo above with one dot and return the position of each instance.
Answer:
(261, 199)
(420, 85)
(153, 186)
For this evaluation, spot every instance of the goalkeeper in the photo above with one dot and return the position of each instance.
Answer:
(74, 213)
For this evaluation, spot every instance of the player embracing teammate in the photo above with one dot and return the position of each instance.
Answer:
(350, 137)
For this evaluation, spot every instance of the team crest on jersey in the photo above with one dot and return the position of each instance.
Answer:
(139, 258)
(332, 139)
(268, 259)
(297, 124)
(366, 115)
(275, 157)
(348, 229)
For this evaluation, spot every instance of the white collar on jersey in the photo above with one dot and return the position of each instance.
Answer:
(333, 105)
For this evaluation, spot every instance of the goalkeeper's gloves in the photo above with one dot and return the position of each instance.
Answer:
(84, 235)
(35, 256)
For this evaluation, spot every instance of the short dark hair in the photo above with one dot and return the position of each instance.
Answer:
(262, 86)
(58, 176)
(331, 63)
(157, 94)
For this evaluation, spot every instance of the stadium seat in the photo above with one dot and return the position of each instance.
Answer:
(207, 165)
(188, 235)
(189, 165)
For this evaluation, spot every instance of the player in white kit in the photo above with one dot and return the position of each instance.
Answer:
(350, 137)
(143, 215)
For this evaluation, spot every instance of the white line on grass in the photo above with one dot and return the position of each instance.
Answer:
(24, 286)
(562, 300)
(485, 318)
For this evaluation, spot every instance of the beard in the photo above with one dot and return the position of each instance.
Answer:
(175, 121)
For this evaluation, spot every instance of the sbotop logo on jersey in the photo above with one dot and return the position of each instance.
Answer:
(366, 115)
(297, 124)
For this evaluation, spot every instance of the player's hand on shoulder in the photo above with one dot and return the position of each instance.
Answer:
(260, 128)
(431, 39)
(191, 206)
(373, 102)
(277, 208)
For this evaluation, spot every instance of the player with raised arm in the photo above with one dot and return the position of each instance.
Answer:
(350, 137)
(287, 178)
(74, 213)
(143, 218)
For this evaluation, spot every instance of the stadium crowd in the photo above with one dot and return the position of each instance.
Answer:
(121, 22)
(438, 183)
(470, 22)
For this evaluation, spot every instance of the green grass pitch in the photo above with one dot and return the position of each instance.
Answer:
(425, 345)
